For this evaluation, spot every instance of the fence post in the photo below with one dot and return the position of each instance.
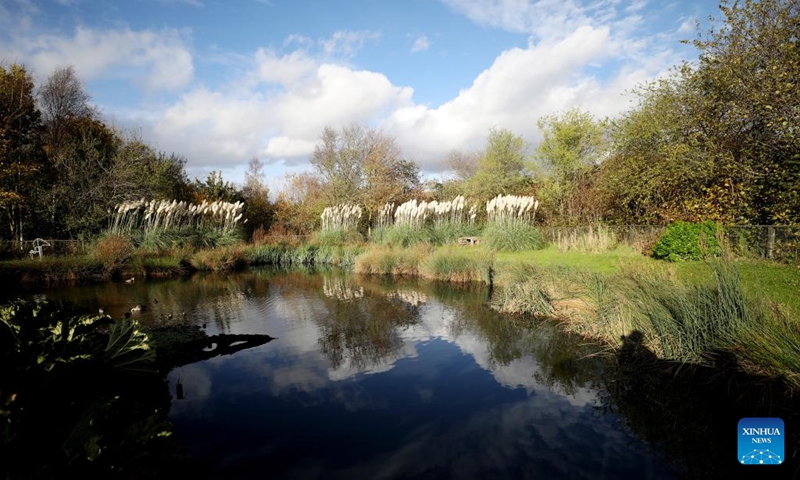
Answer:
(770, 241)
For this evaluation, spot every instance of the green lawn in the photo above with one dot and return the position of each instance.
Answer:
(605, 263)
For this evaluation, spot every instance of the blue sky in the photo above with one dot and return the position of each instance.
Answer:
(222, 81)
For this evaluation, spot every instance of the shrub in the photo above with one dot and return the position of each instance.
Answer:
(113, 251)
(688, 241)
(219, 259)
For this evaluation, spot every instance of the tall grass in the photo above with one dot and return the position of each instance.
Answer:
(512, 237)
(592, 240)
(341, 217)
(509, 224)
(387, 260)
(158, 225)
(459, 264)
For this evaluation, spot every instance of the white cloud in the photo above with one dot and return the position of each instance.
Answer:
(421, 44)
(520, 86)
(286, 69)
(158, 60)
(346, 43)
(231, 124)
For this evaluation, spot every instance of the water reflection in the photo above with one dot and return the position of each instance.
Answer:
(381, 379)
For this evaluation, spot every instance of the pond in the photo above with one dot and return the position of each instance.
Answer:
(382, 378)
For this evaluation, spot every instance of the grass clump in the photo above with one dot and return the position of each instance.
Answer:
(338, 237)
(386, 260)
(459, 264)
(512, 237)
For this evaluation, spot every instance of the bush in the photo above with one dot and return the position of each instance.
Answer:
(688, 241)
(113, 251)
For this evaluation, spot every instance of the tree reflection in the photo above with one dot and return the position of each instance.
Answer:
(361, 329)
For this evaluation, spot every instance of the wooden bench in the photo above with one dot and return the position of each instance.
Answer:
(469, 241)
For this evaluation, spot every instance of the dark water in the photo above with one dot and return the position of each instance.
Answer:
(398, 379)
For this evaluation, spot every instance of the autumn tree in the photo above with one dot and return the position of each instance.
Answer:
(364, 167)
(22, 161)
(749, 103)
(299, 204)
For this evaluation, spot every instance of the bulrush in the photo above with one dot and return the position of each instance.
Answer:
(341, 217)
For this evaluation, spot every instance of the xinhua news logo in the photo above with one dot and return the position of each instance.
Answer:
(761, 441)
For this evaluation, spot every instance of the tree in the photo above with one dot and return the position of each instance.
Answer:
(573, 144)
(364, 167)
(22, 159)
(300, 203)
(215, 188)
(258, 209)
(62, 100)
(501, 167)
(749, 102)
(718, 140)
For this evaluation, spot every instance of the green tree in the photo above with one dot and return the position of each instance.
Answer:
(749, 101)
(573, 144)
(23, 163)
(717, 140)
(215, 188)
(501, 167)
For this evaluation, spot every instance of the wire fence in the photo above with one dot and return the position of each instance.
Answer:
(775, 242)
(16, 249)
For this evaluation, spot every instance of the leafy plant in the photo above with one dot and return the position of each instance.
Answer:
(688, 241)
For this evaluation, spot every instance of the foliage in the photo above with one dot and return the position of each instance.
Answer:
(219, 259)
(71, 389)
(688, 241)
(363, 167)
(588, 240)
(257, 207)
(338, 237)
(716, 140)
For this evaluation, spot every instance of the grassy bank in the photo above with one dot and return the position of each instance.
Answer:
(681, 311)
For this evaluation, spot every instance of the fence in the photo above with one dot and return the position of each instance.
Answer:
(16, 249)
(774, 242)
